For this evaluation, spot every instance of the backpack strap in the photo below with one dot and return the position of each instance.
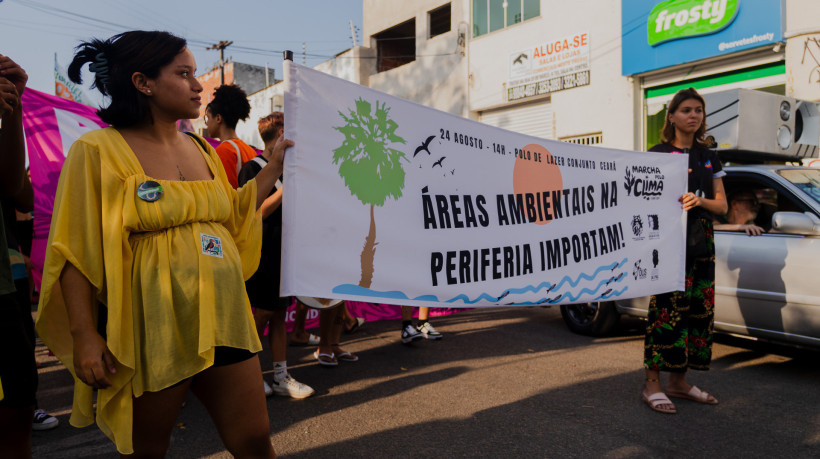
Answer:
(238, 155)
(198, 141)
(262, 163)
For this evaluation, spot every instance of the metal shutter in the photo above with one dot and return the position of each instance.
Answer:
(533, 119)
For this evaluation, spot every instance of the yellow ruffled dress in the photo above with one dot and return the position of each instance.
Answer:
(170, 298)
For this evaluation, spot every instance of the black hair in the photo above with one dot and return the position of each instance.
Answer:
(231, 102)
(668, 131)
(115, 60)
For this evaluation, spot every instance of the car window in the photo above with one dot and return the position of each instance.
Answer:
(808, 180)
(770, 197)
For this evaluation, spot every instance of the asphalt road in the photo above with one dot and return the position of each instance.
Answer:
(502, 383)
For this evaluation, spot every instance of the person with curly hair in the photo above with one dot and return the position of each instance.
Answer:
(148, 233)
(680, 324)
(230, 104)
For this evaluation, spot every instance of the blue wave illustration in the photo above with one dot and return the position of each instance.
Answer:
(355, 290)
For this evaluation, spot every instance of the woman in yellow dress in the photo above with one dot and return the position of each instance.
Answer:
(147, 226)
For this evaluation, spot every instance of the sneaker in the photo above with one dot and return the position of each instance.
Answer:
(429, 332)
(292, 388)
(268, 390)
(409, 334)
(44, 421)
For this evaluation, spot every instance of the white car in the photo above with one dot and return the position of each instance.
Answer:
(766, 286)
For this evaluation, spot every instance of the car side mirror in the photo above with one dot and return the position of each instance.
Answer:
(796, 223)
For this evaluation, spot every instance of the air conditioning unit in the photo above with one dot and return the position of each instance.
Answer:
(744, 124)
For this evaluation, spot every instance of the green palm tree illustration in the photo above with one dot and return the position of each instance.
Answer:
(371, 170)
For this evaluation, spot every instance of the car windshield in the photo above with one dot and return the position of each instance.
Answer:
(807, 180)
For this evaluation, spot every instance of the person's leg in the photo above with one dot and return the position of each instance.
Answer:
(236, 403)
(283, 383)
(261, 317)
(338, 324)
(15, 430)
(424, 314)
(663, 344)
(18, 374)
(277, 335)
(407, 313)
(327, 335)
(154, 416)
(701, 317)
(299, 318)
(299, 335)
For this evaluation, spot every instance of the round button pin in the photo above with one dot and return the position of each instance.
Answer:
(149, 191)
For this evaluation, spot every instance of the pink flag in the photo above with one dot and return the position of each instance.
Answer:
(51, 125)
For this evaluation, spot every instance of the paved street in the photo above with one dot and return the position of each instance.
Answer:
(502, 383)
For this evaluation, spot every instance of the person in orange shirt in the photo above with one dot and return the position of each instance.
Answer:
(230, 104)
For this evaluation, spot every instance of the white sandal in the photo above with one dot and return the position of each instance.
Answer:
(656, 400)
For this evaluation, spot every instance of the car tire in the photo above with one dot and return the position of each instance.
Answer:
(591, 319)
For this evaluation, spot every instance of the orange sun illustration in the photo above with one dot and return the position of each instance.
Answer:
(532, 176)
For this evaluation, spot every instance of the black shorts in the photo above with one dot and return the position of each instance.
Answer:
(224, 356)
(266, 296)
(18, 370)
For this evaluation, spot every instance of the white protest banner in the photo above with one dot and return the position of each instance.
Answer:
(389, 201)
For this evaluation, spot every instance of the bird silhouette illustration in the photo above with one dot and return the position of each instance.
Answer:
(210, 245)
(453, 172)
(424, 146)
(438, 163)
(520, 59)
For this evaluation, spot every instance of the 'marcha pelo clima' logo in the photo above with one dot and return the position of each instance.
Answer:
(676, 19)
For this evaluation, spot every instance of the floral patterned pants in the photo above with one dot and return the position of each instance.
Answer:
(680, 324)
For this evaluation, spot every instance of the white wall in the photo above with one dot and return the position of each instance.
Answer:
(605, 105)
(437, 78)
(803, 49)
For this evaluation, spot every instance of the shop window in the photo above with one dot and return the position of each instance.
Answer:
(396, 46)
(439, 20)
(492, 15)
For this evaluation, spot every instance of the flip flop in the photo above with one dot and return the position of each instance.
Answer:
(358, 323)
(347, 357)
(657, 399)
(328, 360)
(694, 394)
(313, 340)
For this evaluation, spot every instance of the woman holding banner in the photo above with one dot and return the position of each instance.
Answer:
(147, 225)
(679, 327)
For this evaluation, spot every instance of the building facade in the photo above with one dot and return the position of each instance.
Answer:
(589, 72)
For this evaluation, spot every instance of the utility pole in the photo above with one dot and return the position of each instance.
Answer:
(353, 32)
(221, 47)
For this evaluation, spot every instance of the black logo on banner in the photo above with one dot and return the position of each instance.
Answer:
(644, 182)
(637, 227)
(655, 275)
(637, 271)
(654, 226)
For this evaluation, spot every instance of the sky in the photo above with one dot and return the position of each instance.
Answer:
(32, 31)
